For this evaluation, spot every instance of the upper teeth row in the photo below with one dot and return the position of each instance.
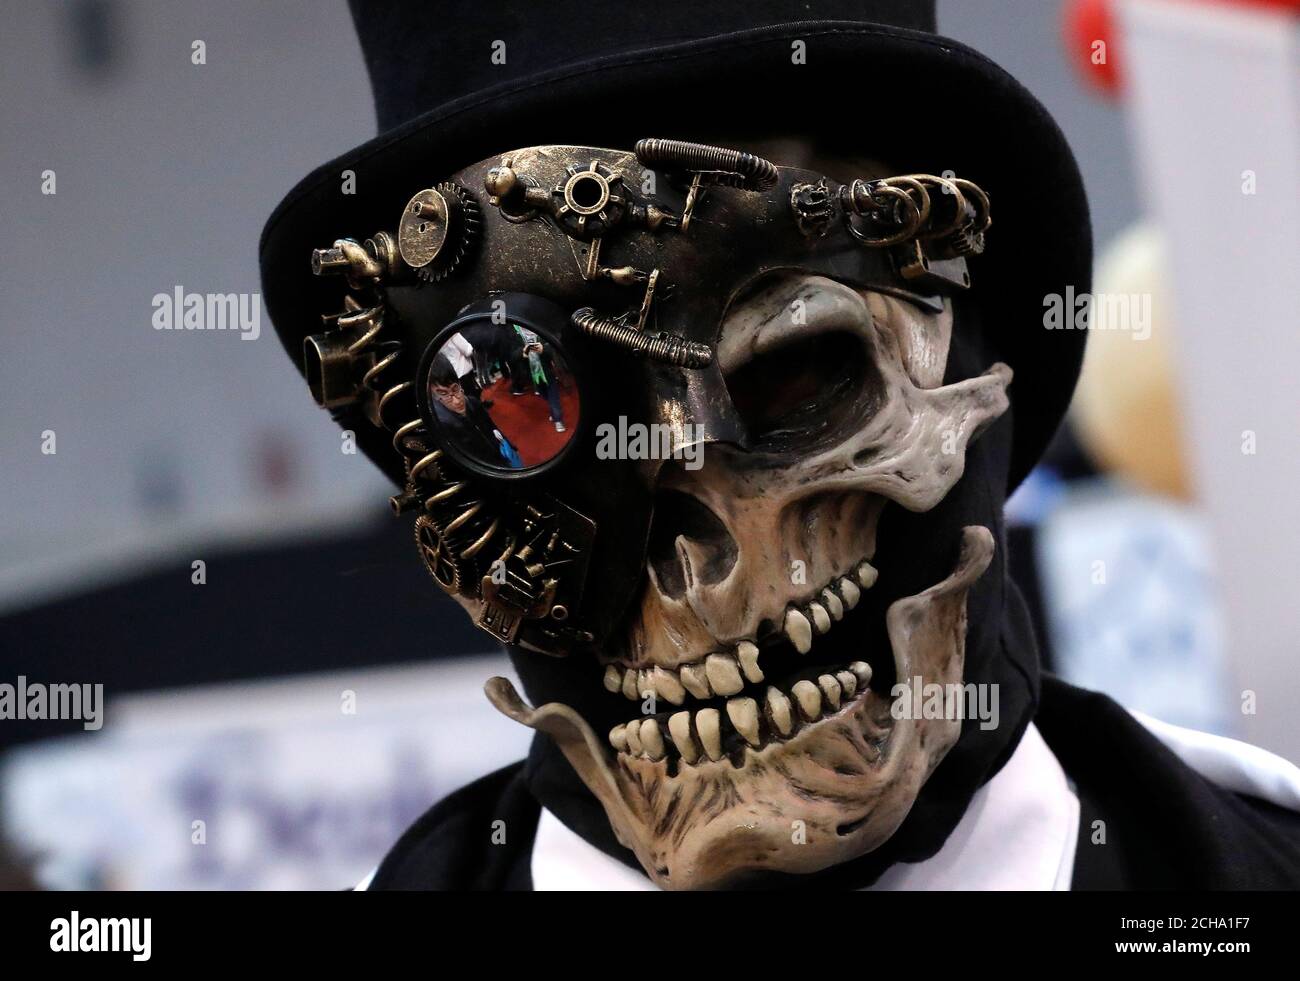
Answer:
(697, 737)
(818, 615)
(726, 673)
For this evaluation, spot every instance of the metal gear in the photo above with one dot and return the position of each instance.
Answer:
(438, 556)
(590, 201)
(439, 227)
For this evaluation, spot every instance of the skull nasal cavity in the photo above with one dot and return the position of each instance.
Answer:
(679, 515)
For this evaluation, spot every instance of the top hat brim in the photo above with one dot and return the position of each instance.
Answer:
(922, 102)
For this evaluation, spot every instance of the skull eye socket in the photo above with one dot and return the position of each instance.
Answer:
(805, 392)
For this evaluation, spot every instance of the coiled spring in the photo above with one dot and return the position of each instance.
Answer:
(659, 347)
(370, 322)
(714, 164)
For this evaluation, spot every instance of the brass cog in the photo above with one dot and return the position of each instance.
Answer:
(589, 201)
(439, 227)
(438, 557)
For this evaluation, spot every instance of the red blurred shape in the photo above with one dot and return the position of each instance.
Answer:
(1293, 5)
(274, 470)
(1090, 41)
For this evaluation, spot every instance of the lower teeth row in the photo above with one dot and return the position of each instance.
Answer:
(697, 736)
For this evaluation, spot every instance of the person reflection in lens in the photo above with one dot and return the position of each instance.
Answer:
(463, 418)
(542, 370)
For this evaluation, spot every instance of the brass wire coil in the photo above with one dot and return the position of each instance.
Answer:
(659, 347)
(714, 164)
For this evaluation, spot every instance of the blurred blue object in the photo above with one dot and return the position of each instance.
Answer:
(1132, 604)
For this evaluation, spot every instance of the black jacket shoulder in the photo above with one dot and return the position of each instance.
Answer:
(1148, 820)
(479, 838)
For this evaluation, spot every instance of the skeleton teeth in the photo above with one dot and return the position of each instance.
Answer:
(833, 605)
(652, 740)
(747, 655)
(820, 618)
(831, 689)
(849, 590)
(743, 713)
(613, 678)
(798, 630)
(847, 682)
(723, 673)
(708, 725)
(696, 681)
(666, 684)
(809, 698)
(699, 740)
(778, 710)
(679, 727)
(633, 733)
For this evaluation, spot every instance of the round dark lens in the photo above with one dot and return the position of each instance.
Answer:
(503, 396)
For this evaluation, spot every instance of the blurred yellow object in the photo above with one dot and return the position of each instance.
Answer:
(1126, 410)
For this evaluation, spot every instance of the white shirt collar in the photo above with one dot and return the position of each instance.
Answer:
(1019, 832)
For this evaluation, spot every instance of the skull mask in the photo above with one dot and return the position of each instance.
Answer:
(760, 733)
(799, 338)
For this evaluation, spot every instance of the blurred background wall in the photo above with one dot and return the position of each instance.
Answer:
(165, 172)
(230, 699)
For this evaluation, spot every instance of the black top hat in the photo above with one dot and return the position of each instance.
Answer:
(458, 82)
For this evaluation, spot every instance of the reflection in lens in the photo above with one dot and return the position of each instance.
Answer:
(503, 395)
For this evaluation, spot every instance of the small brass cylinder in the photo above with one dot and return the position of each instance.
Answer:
(328, 366)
